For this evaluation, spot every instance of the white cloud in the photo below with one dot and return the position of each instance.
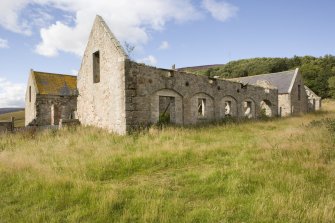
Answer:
(220, 10)
(164, 45)
(11, 94)
(150, 60)
(9, 16)
(3, 43)
(74, 72)
(131, 21)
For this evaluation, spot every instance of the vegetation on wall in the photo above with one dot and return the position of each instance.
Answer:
(316, 71)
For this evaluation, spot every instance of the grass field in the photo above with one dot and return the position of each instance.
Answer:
(281, 170)
(18, 115)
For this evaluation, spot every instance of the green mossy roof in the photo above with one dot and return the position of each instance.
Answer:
(55, 84)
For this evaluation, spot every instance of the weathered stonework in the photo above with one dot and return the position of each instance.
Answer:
(120, 95)
(103, 104)
(145, 85)
(299, 102)
(6, 126)
(48, 106)
(292, 96)
(314, 101)
(50, 109)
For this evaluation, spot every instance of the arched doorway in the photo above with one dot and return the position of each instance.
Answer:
(167, 107)
(228, 107)
(266, 108)
(248, 108)
(202, 108)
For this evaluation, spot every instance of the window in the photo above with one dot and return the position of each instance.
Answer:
(201, 107)
(299, 92)
(96, 67)
(29, 93)
(227, 108)
(247, 109)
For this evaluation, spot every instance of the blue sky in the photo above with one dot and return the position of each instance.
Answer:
(50, 35)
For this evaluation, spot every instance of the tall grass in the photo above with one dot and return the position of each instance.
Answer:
(275, 171)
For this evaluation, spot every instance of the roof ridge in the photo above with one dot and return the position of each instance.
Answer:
(42, 72)
(287, 71)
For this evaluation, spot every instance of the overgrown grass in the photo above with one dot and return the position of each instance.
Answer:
(276, 171)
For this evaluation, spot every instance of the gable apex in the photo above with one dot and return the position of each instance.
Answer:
(99, 20)
(296, 72)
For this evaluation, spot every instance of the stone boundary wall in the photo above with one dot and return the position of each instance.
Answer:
(6, 126)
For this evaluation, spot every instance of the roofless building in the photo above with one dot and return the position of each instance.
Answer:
(120, 95)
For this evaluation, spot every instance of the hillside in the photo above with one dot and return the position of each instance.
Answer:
(316, 71)
(280, 170)
(18, 115)
(8, 110)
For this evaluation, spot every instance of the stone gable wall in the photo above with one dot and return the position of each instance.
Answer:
(30, 105)
(298, 106)
(284, 105)
(102, 104)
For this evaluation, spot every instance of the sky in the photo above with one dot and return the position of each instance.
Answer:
(51, 35)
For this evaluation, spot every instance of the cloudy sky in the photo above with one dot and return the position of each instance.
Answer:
(50, 35)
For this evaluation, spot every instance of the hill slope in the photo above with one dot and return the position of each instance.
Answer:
(18, 115)
(275, 171)
(8, 110)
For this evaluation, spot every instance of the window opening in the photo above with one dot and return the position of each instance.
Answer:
(201, 107)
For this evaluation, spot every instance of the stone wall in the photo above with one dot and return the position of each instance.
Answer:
(30, 100)
(101, 101)
(145, 85)
(284, 105)
(298, 104)
(314, 101)
(49, 109)
(315, 104)
(6, 126)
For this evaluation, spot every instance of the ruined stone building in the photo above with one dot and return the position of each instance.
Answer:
(314, 101)
(292, 96)
(120, 95)
(49, 98)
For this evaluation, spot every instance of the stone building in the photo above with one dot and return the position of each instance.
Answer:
(292, 96)
(49, 98)
(119, 95)
(314, 101)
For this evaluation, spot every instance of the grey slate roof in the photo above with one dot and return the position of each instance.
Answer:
(281, 80)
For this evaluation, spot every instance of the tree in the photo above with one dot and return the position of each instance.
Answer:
(331, 85)
(129, 49)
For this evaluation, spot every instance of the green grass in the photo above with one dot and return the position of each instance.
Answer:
(275, 171)
(19, 118)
